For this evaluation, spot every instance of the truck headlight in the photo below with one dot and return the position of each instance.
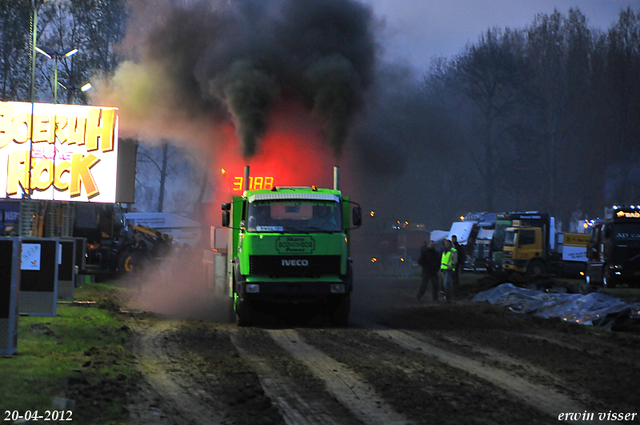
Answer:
(252, 288)
(337, 288)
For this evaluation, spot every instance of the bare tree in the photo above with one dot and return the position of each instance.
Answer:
(558, 50)
(622, 82)
(169, 177)
(492, 74)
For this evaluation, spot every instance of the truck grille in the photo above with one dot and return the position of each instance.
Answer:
(507, 254)
(294, 266)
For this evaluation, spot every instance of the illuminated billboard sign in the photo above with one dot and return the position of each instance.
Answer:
(628, 214)
(74, 154)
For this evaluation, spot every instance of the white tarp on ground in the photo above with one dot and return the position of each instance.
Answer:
(591, 309)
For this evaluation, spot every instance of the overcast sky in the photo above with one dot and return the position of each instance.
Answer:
(418, 30)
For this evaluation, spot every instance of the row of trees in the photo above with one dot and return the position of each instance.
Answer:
(547, 117)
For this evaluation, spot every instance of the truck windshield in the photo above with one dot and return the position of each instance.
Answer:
(628, 231)
(510, 238)
(294, 216)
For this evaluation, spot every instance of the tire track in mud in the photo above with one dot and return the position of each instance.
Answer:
(523, 367)
(426, 390)
(349, 388)
(503, 360)
(543, 398)
(185, 398)
(297, 404)
(594, 345)
(587, 361)
(197, 373)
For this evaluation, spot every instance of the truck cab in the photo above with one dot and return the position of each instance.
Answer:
(475, 232)
(539, 249)
(614, 248)
(523, 250)
(514, 220)
(290, 245)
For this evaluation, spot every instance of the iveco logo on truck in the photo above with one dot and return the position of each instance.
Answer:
(295, 262)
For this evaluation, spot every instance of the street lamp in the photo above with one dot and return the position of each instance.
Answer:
(72, 90)
(56, 56)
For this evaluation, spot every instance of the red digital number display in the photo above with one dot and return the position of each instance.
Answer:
(255, 183)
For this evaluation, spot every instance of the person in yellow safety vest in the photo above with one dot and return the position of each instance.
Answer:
(447, 267)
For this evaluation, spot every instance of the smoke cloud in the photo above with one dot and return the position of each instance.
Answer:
(289, 87)
(179, 286)
(214, 62)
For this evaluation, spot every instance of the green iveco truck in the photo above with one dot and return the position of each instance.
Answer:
(292, 245)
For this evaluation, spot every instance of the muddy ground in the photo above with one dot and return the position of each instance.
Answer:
(402, 361)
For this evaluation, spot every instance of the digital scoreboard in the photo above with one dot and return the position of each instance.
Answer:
(235, 184)
(255, 183)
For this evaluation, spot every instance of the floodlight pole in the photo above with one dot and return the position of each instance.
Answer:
(26, 210)
(34, 32)
(32, 92)
(55, 79)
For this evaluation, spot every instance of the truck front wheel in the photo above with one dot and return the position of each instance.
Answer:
(536, 268)
(340, 308)
(126, 261)
(244, 311)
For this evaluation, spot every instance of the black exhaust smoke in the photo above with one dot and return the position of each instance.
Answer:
(235, 60)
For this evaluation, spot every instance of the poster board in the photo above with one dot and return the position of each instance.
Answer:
(39, 276)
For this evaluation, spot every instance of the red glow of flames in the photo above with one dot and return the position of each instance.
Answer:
(292, 152)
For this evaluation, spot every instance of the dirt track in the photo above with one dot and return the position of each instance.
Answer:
(402, 361)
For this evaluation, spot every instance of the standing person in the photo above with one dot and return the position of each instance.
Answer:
(430, 262)
(447, 267)
(462, 257)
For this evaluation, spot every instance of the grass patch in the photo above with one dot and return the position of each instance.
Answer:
(75, 355)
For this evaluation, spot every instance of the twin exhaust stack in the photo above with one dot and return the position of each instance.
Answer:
(336, 178)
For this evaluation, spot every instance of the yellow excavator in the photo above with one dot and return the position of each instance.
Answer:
(142, 245)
